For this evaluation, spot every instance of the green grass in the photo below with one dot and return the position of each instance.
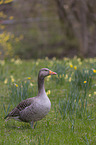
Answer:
(72, 118)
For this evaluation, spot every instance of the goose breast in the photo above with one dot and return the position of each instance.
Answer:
(37, 110)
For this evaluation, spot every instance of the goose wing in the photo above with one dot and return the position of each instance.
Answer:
(21, 106)
(25, 103)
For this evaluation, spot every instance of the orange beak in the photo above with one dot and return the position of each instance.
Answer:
(52, 73)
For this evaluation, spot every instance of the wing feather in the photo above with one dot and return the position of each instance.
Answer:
(21, 106)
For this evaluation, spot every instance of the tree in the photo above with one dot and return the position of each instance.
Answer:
(5, 45)
(80, 15)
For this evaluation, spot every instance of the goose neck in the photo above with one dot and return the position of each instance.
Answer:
(41, 89)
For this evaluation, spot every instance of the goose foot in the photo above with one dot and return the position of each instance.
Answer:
(32, 124)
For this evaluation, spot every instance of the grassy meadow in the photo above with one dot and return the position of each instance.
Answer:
(72, 118)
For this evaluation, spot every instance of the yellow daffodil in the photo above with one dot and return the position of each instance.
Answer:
(66, 77)
(78, 59)
(11, 17)
(54, 58)
(70, 79)
(48, 77)
(85, 82)
(89, 95)
(46, 58)
(16, 85)
(71, 65)
(6, 81)
(57, 76)
(12, 80)
(48, 92)
(63, 75)
(75, 100)
(18, 61)
(11, 76)
(94, 70)
(80, 63)
(95, 93)
(37, 62)
(31, 84)
(29, 78)
(12, 60)
(75, 67)
(2, 62)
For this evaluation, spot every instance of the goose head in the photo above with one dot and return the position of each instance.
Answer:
(45, 72)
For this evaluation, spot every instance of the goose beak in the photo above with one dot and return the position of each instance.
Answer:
(52, 73)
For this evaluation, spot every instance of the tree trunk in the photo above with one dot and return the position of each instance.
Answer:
(80, 15)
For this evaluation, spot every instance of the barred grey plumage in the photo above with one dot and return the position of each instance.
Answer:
(35, 108)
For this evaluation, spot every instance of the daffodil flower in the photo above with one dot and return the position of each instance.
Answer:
(63, 75)
(48, 77)
(2, 62)
(18, 61)
(75, 67)
(6, 81)
(31, 84)
(12, 80)
(48, 92)
(54, 58)
(66, 77)
(11, 17)
(94, 70)
(29, 78)
(16, 85)
(89, 95)
(70, 79)
(71, 65)
(12, 60)
(37, 63)
(85, 82)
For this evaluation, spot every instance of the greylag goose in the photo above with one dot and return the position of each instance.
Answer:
(35, 108)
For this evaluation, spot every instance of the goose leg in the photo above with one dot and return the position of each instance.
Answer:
(32, 124)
